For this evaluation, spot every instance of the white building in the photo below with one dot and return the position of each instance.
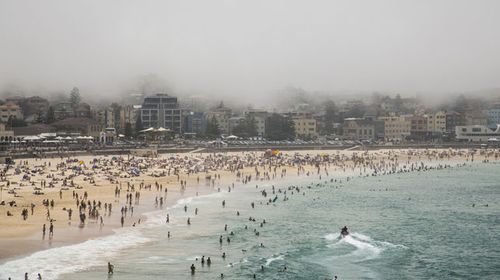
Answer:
(477, 133)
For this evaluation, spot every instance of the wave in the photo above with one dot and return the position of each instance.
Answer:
(365, 247)
(52, 263)
(270, 260)
(78, 257)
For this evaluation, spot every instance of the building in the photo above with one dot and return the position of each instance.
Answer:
(10, 110)
(493, 115)
(305, 127)
(477, 133)
(363, 129)
(475, 117)
(260, 117)
(105, 117)
(83, 126)
(396, 128)
(83, 110)
(5, 134)
(63, 110)
(454, 119)
(34, 106)
(222, 114)
(161, 110)
(234, 122)
(436, 122)
(418, 127)
(128, 114)
(195, 123)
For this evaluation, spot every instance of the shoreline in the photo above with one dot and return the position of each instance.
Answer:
(18, 247)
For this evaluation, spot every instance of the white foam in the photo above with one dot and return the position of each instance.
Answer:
(78, 257)
(270, 260)
(366, 248)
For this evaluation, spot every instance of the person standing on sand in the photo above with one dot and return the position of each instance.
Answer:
(51, 229)
(43, 230)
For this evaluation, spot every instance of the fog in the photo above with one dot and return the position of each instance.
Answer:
(249, 50)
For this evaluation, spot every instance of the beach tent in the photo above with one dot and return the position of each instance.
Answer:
(162, 129)
(147, 130)
(32, 138)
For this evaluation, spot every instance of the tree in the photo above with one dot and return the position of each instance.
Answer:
(246, 128)
(138, 124)
(330, 116)
(50, 117)
(398, 103)
(128, 130)
(74, 97)
(213, 129)
(39, 117)
(279, 127)
(116, 108)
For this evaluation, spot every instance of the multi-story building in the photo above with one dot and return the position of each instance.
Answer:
(260, 117)
(418, 127)
(396, 127)
(363, 129)
(161, 110)
(63, 110)
(195, 123)
(475, 117)
(128, 114)
(34, 106)
(436, 122)
(234, 122)
(493, 115)
(4, 133)
(305, 127)
(105, 117)
(83, 110)
(477, 133)
(454, 119)
(222, 114)
(10, 110)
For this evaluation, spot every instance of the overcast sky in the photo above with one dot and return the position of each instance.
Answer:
(251, 47)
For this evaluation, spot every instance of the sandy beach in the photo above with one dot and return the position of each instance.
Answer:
(64, 181)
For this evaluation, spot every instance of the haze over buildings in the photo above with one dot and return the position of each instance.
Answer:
(249, 50)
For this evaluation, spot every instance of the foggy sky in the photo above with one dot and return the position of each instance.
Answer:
(254, 48)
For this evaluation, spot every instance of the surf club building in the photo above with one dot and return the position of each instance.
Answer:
(477, 133)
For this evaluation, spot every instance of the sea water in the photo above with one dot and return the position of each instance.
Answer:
(417, 225)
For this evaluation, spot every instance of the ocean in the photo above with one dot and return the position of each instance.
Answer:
(419, 225)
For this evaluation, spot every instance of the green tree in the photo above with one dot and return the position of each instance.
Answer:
(74, 97)
(50, 116)
(213, 130)
(128, 130)
(138, 124)
(330, 116)
(279, 127)
(116, 108)
(39, 117)
(246, 128)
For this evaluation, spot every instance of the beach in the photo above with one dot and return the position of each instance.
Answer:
(206, 176)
